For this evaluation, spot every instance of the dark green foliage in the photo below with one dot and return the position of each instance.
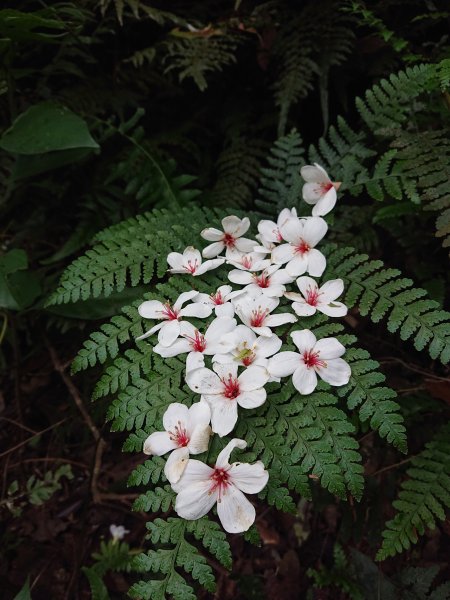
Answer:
(423, 498)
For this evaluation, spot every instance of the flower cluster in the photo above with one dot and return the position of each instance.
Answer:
(229, 363)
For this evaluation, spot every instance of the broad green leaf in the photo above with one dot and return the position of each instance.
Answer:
(46, 127)
(28, 165)
(18, 287)
(21, 26)
(25, 593)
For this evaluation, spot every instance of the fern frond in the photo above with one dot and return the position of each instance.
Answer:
(194, 57)
(381, 292)
(131, 252)
(181, 554)
(390, 102)
(281, 182)
(423, 497)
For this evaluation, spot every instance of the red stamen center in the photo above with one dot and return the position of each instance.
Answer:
(325, 187)
(169, 313)
(311, 359)
(179, 435)
(258, 317)
(230, 388)
(246, 262)
(262, 280)
(278, 234)
(191, 267)
(302, 247)
(217, 298)
(198, 342)
(220, 480)
(247, 360)
(229, 240)
(312, 296)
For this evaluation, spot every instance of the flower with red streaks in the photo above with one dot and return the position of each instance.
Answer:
(314, 357)
(319, 189)
(313, 298)
(191, 262)
(230, 238)
(187, 431)
(202, 486)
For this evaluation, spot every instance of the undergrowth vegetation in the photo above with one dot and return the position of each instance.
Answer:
(130, 127)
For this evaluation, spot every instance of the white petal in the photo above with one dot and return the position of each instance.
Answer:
(280, 319)
(200, 438)
(224, 310)
(151, 331)
(281, 277)
(176, 413)
(268, 346)
(316, 262)
(269, 231)
(264, 331)
(329, 348)
(283, 364)
(209, 265)
(151, 309)
(250, 479)
(158, 443)
(235, 512)
(240, 277)
(312, 192)
(183, 298)
(254, 398)
(303, 309)
(304, 379)
(312, 173)
(314, 230)
(218, 329)
(169, 332)
(325, 204)
(196, 309)
(176, 464)
(204, 381)
(226, 371)
(244, 244)
(292, 230)
(337, 372)
(199, 414)
(235, 226)
(305, 340)
(223, 460)
(180, 346)
(194, 473)
(252, 379)
(334, 309)
(213, 249)
(298, 265)
(331, 290)
(194, 501)
(194, 360)
(224, 414)
(212, 234)
(175, 261)
(283, 254)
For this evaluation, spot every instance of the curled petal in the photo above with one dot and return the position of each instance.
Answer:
(223, 460)
(199, 439)
(158, 443)
(176, 464)
(212, 234)
(314, 173)
(235, 512)
(213, 249)
(325, 204)
(183, 298)
(169, 332)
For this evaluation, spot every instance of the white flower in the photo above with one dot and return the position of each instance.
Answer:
(191, 262)
(187, 431)
(219, 301)
(201, 487)
(300, 253)
(249, 262)
(230, 238)
(255, 313)
(243, 347)
(118, 532)
(314, 358)
(313, 298)
(270, 282)
(224, 390)
(269, 231)
(198, 344)
(319, 189)
(171, 316)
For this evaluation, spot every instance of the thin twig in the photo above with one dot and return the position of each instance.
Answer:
(32, 437)
(17, 424)
(60, 368)
(394, 466)
(413, 368)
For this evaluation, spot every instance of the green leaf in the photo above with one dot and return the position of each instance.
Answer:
(25, 593)
(18, 287)
(46, 127)
(21, 26)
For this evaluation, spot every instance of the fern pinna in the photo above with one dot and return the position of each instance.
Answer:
(303, 434)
